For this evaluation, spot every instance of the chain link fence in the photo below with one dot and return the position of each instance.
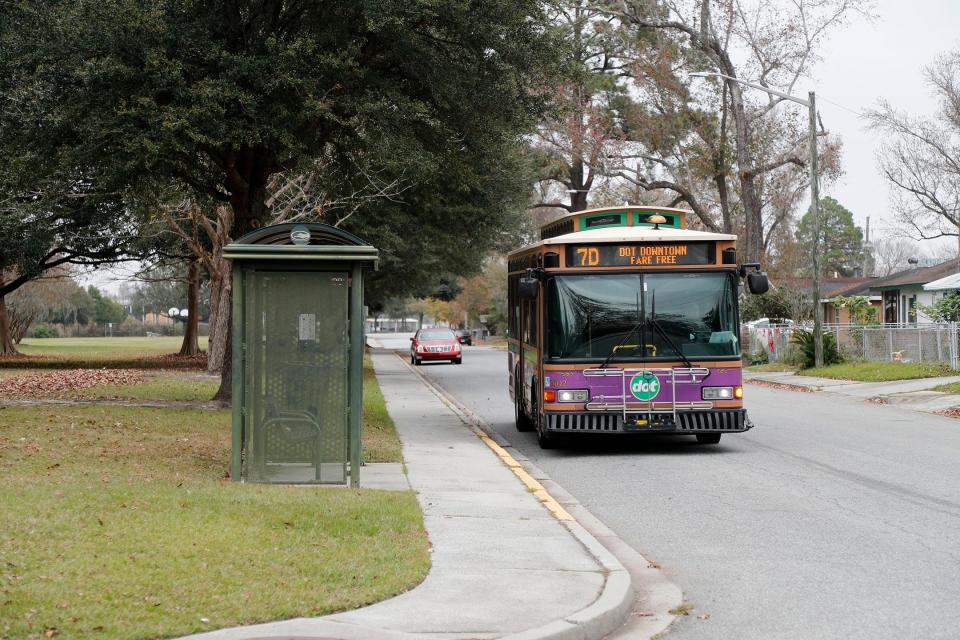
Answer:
(934, 343)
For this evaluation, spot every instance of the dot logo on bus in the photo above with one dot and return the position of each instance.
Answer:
(644, 386)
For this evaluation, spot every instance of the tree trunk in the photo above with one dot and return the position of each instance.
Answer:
(225, 392)
(246, 176)
(753, 221)
(7, 348)
(191, 346)
(220, 314)
(720, 167)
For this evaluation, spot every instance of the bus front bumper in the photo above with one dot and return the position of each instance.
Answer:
(710, 421)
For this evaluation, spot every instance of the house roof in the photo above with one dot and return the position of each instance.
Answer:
(949, 283)
(832, 287)
(916, 276)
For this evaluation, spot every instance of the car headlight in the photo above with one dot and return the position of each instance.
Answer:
(717, 393)
(573, 395)
(421, 348)
(456, 346)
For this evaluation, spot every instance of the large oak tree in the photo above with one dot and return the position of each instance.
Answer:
(220, 96)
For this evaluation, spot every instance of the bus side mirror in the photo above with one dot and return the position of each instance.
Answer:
(757, 282)
(528, 288)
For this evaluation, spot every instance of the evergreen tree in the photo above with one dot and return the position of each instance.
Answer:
(841, 241)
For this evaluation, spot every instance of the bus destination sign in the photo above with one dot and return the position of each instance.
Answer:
(640, 254)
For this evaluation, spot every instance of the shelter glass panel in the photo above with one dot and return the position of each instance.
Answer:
(296, 366)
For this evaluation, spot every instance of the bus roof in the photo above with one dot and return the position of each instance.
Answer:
(630, 234)
(637, 234)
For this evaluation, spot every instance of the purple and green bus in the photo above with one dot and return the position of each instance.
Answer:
(621, 320)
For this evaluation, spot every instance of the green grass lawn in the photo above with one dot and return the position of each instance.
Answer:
(380, 440)
(180, 386)
(880, 371)
(770, 366)
(122, 353)
(117, 522)
(102, 348)
(953, 387)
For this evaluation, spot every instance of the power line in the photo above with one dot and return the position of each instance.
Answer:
(837, 104)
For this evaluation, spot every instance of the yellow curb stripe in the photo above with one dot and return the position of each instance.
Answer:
(531, 483)
(548, 501)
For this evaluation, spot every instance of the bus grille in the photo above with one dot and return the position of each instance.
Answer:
(692, 421)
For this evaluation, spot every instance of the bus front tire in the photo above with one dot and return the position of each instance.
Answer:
(708, 438)
(545, 439)
(522, 421)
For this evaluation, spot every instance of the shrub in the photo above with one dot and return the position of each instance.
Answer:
(804, 340)
(44, 331)
(792, 355)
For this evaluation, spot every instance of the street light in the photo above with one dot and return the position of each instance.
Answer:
(811, 104)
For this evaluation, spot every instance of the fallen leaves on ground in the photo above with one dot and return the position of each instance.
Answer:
(780, 386)
(953, 412)
(45, 384)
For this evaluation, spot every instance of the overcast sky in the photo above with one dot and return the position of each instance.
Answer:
(865, 61)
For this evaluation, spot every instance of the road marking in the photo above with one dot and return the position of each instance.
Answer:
(538, 491)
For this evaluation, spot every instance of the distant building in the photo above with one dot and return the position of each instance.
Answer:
(903, 292)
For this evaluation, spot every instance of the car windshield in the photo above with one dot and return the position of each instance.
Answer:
(436, 335)
(642, 316)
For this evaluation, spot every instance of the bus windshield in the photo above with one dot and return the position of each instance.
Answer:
(642, 316)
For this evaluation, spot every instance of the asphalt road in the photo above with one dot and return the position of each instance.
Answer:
(833, 518)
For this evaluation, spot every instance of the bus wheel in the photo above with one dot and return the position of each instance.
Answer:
(522, 421)
(545, 439)
(708, 438)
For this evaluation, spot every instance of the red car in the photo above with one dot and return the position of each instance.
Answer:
(435, 344)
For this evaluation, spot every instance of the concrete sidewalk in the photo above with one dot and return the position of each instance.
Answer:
(502, 564)
(913, 394)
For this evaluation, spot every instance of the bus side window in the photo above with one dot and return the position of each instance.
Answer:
(513, 309)
(533, 317)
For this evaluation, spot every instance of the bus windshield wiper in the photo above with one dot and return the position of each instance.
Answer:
(663, 334)
(613, 351)
(640, 322)
(673, 345)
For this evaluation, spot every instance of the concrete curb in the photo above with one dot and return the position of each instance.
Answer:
(613, 607)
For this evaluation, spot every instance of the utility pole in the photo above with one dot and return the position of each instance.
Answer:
(815, 210)
(811, 104)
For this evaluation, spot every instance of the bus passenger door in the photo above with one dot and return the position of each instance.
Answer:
(528, 353)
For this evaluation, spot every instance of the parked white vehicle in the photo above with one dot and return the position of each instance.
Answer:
(763, 323)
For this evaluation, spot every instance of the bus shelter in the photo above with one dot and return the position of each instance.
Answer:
(298, 354)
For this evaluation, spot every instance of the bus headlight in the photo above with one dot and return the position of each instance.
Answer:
(573, 395)
(717, 393)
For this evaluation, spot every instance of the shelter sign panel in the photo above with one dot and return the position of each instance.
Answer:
(297, 358)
